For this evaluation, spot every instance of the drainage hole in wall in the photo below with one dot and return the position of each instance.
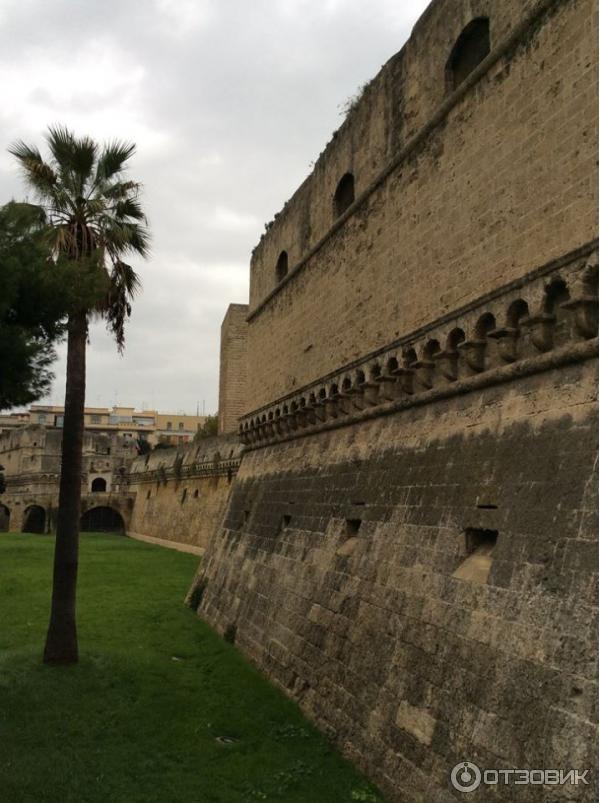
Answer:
(479, 548)
(230, 633)
(482, 541)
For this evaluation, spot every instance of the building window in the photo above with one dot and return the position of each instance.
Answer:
(470, 49)
(180, 426)
(42, 417)
(344, 194)
(99, 485)
(96, 419)
(169, 425)
(281, 268)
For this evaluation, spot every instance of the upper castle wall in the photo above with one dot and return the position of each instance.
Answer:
(393, 107)
(483, 184)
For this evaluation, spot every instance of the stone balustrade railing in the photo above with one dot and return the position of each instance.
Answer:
(164, 473)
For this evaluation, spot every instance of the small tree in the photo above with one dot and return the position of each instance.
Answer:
(32, 305)
(208, 429)
(94, 220)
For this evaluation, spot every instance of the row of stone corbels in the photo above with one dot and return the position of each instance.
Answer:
(551, 311)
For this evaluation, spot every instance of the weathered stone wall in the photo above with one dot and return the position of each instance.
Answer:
(181, 494)
(33, 452)
(349, 564)
(31, 456)
(482, 186)
(176, 495)
(232, 367)
(410, 546)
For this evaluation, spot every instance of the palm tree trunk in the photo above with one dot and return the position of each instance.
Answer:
(61, 640)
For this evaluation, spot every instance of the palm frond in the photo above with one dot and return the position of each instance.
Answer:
(60, 142)
(124, 276)
(139, 240)
(112, 160)
(24, 152)
(74, 156)
(122, 237)
(121, 189)
(37, 173)
(95, 207)
(129, 208)
(125, 284)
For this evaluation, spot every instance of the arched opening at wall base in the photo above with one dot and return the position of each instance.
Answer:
(102, 520)
(34, 520)
(4, 519)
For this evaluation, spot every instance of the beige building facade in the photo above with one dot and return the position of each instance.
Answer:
(31, 460)
(172, 429)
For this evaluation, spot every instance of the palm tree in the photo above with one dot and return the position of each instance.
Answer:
(94, 219)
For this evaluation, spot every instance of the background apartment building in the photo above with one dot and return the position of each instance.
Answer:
(155, 428)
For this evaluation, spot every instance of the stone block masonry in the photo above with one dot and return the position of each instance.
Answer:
(502, 183)
(181, 494)
(340, 564)
(232, 368)
(409, 548)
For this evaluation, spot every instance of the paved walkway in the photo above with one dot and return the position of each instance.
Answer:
(195, 550)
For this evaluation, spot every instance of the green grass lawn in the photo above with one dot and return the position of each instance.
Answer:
(159, 708)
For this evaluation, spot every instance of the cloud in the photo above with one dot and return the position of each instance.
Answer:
(183, 17)
(229, 102)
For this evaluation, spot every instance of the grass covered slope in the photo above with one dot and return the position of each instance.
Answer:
(159, 709)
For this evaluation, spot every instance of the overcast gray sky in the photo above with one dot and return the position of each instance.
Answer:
(229, 102)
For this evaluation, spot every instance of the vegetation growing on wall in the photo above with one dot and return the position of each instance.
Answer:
(352, 102)
(209, 429)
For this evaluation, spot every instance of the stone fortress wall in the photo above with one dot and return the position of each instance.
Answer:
(181, 494)
(456, 192)
(173, 495)
(423, 583)
(405, 538)
(410, 546)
